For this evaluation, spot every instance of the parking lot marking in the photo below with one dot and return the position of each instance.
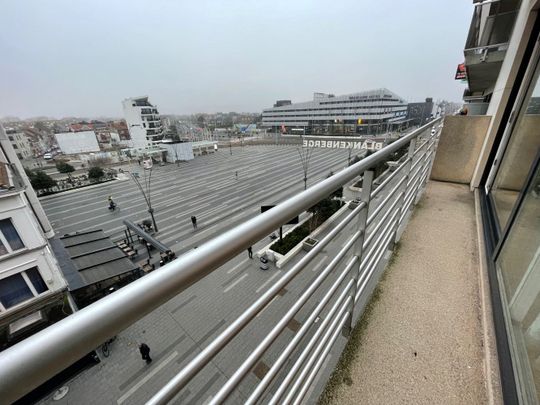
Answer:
(316, 267)
(268, 281)
(235, 267)
(236, 282)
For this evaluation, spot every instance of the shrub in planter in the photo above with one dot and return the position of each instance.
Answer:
(291, 240)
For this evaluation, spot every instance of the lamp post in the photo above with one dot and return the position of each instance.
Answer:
(145, 191)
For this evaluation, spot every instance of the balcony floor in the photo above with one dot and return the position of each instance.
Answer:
(423, 342)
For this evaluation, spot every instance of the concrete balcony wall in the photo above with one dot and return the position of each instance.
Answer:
(459, 147)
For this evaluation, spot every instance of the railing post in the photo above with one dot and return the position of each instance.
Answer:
(401, 205)
(365, 198)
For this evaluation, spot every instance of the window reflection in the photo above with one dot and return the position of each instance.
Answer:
(519, 264)
(519, 156)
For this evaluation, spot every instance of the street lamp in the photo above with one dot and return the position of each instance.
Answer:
(145, 191)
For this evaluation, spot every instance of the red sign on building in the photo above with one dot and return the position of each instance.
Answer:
(461, 72)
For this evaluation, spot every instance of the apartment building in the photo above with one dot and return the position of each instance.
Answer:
(143, 121)
(32, 289)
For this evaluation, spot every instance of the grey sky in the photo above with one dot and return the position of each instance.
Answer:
(63, 58)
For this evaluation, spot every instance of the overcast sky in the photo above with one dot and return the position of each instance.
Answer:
(63, 58)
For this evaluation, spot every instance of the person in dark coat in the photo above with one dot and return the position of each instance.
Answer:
(194, 221)
(145, 352)
(250, 252)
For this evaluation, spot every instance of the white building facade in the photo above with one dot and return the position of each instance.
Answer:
(33, 292)
(365, 113)
(143, 121)
(20, 143)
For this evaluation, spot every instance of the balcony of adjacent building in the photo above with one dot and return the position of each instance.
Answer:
(10, 179)
(487, 42)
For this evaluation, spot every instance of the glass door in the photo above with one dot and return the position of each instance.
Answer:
(518, 148)
(513, 192)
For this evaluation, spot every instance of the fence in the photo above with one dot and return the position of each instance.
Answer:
(377, 220)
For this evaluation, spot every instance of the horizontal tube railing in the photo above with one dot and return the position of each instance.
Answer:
(31, 362)
(180, 380)
(308, 323)
(282, 324)
(383, 203)
(381, 186)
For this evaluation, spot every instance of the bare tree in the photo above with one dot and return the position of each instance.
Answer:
(305, 157)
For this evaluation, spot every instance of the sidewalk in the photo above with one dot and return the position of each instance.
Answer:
(423, 340)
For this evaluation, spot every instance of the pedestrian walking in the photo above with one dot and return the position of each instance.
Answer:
(139, 161)
(250, 252)
(236, 174)
(194, 221)
(145, 352)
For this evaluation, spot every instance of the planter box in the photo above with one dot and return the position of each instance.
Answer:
(354, 204)
(309, 243)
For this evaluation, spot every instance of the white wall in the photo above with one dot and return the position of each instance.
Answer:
(77, 142)
(36, 251)
(184, 151)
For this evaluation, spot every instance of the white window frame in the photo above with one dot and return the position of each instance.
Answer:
(5, 241)
(29, 285)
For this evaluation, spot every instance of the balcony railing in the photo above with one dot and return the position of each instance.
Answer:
(10, 179)
(492, 31)
(376, 221)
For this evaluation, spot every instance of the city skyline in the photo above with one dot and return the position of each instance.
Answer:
(83, 60)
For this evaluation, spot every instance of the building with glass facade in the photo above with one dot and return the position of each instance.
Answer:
(366, 113)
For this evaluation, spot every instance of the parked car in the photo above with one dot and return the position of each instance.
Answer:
(47, 156)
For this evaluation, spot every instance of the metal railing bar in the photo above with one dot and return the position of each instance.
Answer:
(342, 314)
(320, 360)
(46, 353)
(256, 354)
(374, 262)
(389, 178)
(168, 392)
(339, 305)
(421, 146)
(416, 163)
(381, 222)
(382, 204)
(377, 246)
(308, 323)
(412, 195)
(423, 160)
(414, 181)
(414, 176)
(375, 252)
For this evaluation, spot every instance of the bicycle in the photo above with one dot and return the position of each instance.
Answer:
(105, 346)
